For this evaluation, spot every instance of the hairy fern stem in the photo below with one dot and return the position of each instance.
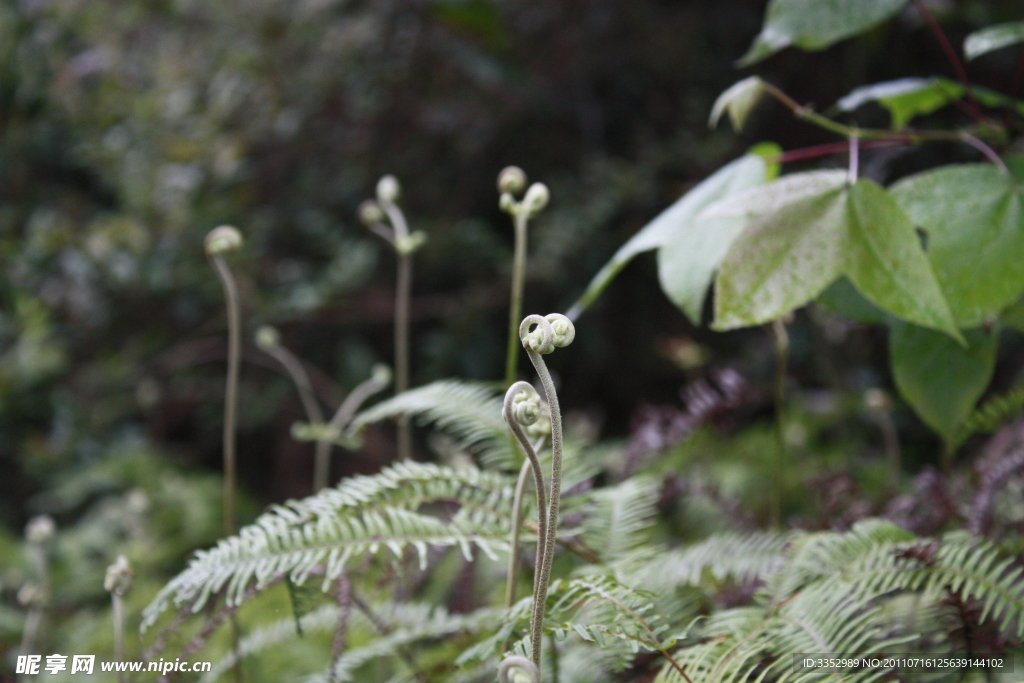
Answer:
(540, 335)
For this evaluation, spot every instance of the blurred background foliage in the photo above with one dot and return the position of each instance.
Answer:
(130, 128)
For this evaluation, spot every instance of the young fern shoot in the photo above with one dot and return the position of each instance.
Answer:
(36, 595)
(220, 241)
(511, 182)
(323, 434)
(117, 582)
(522, 409)
(268, 339)
(540, 335)
(373, 214)
(518, 669)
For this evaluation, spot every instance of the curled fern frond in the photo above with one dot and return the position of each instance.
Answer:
(469, 411)
(363, 515)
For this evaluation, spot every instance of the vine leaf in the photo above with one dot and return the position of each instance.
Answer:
(905, 98)
(737, 101)
(993, 38)
(814, 24)
(970, 209)
(802, 232)
(687, 277)
(944, 398)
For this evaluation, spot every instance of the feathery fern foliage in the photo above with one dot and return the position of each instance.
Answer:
(471, 412)
(827, 597)
(991, 414)
(363, 515)
(740, 558)
(619, 518)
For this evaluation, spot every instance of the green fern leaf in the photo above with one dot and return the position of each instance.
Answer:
(471, 412)
(619, 518)
(362, 515)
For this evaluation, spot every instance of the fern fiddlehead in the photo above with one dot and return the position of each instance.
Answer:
(516, 669)
(512, 181)
(522, 409)
(541, 335)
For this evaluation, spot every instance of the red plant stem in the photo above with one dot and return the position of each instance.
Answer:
(958, 66)
(835, 148)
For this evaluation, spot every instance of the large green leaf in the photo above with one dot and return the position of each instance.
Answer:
(940, 379)
(815, 24)
(674, 223)
(974, 218)
(805, 230)
(993, 38)
(686, 266)
(843, 298)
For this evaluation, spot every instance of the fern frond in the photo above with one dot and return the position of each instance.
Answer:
(363, 515)
(832, 595)
(596, 608)
(619, 518)
(991, 414)
(742, 558)
(512, 619)
(967, 566)
(760, 642)
(621, 621)
(469, 411)
(432, 625)
(815, 556)
(283, 630)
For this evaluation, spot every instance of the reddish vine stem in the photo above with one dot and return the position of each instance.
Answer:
(958, 66)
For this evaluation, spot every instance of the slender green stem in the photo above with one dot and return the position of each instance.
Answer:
(230, 419)
(37, 596)
(403, 290)
(515, 314)
(33, 624)
(553, 646)
(300, 377)
(780, 341)
(231, 392)
(906, 134)
(891, 440)
(342, 416)
(118, 609)
(517, 522)
(543, 525)
(364, 390)
(295, 369)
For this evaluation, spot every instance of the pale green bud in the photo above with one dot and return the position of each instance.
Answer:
(223, 239)
(388, 189)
